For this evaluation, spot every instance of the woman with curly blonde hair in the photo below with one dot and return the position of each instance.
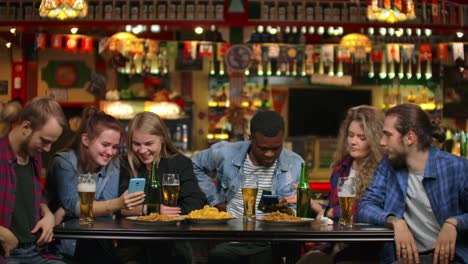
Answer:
(357, 155)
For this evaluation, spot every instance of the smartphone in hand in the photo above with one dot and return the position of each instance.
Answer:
(267, 199)
(270, 199)
(136, 185)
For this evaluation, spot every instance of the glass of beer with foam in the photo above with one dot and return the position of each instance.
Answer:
(171, 187)
(86, 191)
(347, 198)
(249, 197)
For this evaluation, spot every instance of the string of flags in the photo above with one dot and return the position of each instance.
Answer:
(290, 58)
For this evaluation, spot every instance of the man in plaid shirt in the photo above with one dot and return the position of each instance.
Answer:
(26, 223)
(419, 191)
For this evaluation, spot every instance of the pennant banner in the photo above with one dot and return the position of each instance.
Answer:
(41, 40)
(442, 52)
(408, 52)
(56, 41)
(87, 44)
(71, 43)
(425, 52)
(458, 52)
(393, 53)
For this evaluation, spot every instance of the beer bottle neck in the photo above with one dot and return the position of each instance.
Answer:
(304, 179)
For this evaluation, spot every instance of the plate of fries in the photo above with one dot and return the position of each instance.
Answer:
(208, 215)
(277, 218)
(155, 219)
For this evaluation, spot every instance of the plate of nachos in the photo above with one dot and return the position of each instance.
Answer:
(278, 218)
(208, 215)
(155, 219)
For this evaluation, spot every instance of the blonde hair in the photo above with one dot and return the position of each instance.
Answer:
(371, 120)
(149, 123)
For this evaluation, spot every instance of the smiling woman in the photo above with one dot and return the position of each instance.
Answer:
(92, 150)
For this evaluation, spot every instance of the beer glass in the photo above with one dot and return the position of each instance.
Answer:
(171, 186)
(249, 187)
(86, 191)
(347, 198)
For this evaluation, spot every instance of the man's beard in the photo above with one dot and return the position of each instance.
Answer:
(398, 161)
(24, 148)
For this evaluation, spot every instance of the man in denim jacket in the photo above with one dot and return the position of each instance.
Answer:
(263, 159)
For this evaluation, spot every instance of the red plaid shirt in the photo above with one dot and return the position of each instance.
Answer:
(8, 161)
(341, 170)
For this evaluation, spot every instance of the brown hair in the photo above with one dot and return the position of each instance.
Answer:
(39, 110)
(93, 123)
(149, 123)
(371, 120)
(411, 117)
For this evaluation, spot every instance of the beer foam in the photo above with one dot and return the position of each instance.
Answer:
(346, 195)
(86, 187)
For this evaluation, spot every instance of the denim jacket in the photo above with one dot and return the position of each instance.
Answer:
(227, 159)
(62, 188)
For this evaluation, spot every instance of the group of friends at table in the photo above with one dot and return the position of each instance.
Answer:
(404, 183)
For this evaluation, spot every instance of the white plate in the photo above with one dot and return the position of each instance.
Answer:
(134, 219)
(303, 221)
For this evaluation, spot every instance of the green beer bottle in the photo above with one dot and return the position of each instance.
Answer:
(303, 194)
(153, 191)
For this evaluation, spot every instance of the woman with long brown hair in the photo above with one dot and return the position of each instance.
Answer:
(357, 155)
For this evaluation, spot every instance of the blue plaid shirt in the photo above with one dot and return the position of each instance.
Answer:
(446, 184)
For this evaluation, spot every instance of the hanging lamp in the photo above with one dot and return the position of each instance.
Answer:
(63, 9)
(391, 11)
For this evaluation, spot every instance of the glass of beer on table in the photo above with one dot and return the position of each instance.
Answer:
(347, 198)
(171, 186)
(86, 191)
(249, 187)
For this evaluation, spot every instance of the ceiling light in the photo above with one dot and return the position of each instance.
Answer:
(199, 30)
(418, 32)
(427, 32)
(74, 30)
(459, 34)
(155, 28)
(311, 30)
(382, 31)
(399, 32)
(13, 31)
(137, 30)
(8, 44)
(321, 30)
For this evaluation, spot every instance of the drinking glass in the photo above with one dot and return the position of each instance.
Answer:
(86, 192)
(249, 187)
(347, 198)
(171, 186)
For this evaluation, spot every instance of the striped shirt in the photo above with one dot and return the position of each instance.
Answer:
(263, 175)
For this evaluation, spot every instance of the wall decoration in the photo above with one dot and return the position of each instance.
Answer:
(66, 74)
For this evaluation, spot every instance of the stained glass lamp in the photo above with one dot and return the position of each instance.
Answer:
(63, 9)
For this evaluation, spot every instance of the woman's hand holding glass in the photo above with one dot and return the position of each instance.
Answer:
(171, 211)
